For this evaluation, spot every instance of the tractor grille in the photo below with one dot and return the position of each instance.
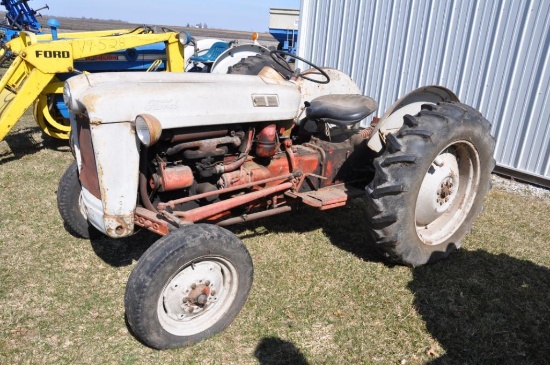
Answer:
(88, 172)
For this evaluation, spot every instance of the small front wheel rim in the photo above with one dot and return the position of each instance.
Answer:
(82, 206)
(447, 193)
(197, 296)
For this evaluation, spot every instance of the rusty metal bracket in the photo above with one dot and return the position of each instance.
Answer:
(323, 156)
(151, 220)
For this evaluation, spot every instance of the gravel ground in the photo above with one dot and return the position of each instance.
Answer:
(520, 188)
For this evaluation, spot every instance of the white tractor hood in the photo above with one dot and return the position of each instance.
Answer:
(182, 99)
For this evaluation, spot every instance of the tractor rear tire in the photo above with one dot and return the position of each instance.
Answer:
(429, 183)
(252, 65)
(188, 286)
(70, 206)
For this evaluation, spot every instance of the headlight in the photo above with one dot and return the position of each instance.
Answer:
(67, 96)
(184, 38)
(148, 129)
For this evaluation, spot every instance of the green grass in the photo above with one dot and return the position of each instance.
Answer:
(321, 294)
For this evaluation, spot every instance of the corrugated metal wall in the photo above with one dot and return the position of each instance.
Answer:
(494, 54)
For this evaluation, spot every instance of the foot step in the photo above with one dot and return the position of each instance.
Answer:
(329, 197)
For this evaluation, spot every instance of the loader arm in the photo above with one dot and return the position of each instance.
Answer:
(37, 64)
(26, 39)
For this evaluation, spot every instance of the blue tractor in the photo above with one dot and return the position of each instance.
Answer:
(19, 17)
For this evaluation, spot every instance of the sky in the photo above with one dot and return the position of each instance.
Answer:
(248, 15)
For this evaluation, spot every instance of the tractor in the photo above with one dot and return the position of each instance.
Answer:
(185, 155)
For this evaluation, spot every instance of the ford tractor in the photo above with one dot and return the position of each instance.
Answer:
(185, 155)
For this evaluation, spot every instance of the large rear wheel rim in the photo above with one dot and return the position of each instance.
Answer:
(447, 192)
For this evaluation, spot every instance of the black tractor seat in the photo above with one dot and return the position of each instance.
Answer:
(341, 109)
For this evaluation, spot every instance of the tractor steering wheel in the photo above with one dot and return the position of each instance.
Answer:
(276, 56)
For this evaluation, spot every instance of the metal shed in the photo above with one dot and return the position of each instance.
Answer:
(493, 54)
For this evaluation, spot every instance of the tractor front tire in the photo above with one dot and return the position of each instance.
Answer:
(188, 286)
(429, 183)
(70, 205)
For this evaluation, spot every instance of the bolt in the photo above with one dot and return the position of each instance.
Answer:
(191, 310)
(207, 283)
(185, 300)
(201, 300)
(439, 161)
(213, 292)
(193, 286)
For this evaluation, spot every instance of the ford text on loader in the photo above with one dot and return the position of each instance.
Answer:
(185, 155)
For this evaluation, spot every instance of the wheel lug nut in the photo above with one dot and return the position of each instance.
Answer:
(193, 286)
(207, 283)
(185, 300)
(213, 292)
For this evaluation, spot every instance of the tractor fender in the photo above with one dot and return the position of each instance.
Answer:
(233, 55)
(410, 103)
(340, 83)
